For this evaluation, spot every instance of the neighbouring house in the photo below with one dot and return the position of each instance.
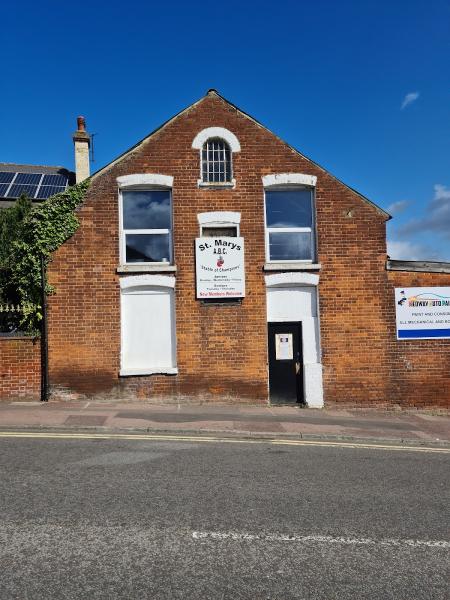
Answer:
(216, 263)
(36, 181)
(20, 355)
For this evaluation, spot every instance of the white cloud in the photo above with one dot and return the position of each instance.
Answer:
(397, 207)
(399, 250)
(409, 99)
(437, 215)
(441, 192)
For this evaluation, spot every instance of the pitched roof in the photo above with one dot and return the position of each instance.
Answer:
(16, 168)
(38, 181)
(213, 92)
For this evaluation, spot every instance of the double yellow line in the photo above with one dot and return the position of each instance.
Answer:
(153, 437)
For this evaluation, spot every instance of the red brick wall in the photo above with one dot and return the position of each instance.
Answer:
(420, 369)
(20, 369)
(222, 350)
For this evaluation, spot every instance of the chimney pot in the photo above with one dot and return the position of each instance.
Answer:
(81, 124)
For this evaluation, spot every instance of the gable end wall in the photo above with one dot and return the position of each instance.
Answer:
(222, 350)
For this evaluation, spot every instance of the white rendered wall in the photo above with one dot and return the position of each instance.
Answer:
(148, 331)
(299, 303)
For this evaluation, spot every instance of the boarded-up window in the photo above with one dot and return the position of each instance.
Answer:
(148, 330)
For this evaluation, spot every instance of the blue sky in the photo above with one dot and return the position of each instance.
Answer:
(361, 87)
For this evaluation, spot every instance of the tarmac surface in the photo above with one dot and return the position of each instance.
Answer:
(136, 519)
(414, 427)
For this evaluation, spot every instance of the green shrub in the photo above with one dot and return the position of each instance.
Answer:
(28, 232)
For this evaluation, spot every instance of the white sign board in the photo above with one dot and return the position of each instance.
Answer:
(422, 313)
(220, 268)
(283, 346)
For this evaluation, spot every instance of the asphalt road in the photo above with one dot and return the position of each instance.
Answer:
(144, 519)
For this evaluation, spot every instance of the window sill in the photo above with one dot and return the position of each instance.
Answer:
(217, 185)
(154, 268)
(149, 371)
(295, 266)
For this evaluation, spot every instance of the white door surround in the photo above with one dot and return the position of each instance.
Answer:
(293, 297)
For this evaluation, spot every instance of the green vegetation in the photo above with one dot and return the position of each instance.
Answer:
(28, 232)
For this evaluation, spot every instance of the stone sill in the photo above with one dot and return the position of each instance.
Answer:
(159, 268)
(149, 371)
(292, 266)
(217, 185)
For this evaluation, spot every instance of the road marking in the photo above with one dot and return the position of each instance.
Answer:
(320, 539)
(215, 440)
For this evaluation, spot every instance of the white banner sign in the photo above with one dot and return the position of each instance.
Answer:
(422, 313)
(220, 268)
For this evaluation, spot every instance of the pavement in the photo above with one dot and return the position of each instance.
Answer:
(372, 425)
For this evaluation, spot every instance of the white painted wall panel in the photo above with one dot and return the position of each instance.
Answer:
(291, 304)
(310, 333)
(313, 385)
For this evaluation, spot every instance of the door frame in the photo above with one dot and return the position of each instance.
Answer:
(300, 397)
(292, 312)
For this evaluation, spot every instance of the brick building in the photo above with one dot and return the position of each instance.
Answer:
(299, 307)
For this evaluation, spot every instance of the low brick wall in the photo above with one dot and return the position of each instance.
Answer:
(420, 369)
(20, 369)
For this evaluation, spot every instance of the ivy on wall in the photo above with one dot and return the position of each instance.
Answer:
(26, 233)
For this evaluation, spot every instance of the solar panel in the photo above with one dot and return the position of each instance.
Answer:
(45, 191)
(6, 177)
(47, 184)
(28, 178)
(54, 180)
(19, 189)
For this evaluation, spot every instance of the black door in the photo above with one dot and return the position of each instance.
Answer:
(285, 363)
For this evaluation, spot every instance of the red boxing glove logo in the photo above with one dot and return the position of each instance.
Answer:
(220, 261)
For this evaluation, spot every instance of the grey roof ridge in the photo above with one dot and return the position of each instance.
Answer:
(210, 92)
(10, 165)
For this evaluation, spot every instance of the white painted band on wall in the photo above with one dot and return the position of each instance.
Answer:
(222, 217)
(216, 132)
(313, 382)
(289, 179)
(145, 179)
(289, 279)
(147, 280)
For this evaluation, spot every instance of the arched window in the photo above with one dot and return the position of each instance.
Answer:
(216, 161)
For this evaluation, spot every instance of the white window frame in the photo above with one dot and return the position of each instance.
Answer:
(219, 219)
(218, 226)
(290, 181)
(145, 182)
(217, 183)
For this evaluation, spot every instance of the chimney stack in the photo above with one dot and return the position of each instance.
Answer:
(82, 141)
